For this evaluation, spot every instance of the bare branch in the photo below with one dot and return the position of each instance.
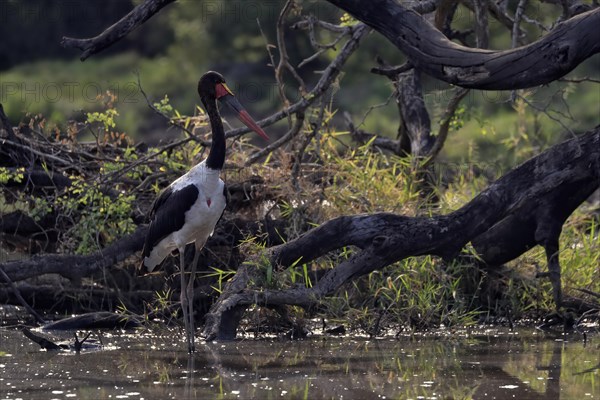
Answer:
(279, 142)
(444, 15)
(501, 16)
(309, 23)
(566, 13)
(361, 136)
(547, 113)
(564, 48)
(328, 76)
(299, 152)
(313, 39)
(116, 32)
(579, 80)
(518, 15)
(391, 72)
(284, 59)
(459, 94)
(190, 134)
(376, 106)
(41, 154)
(76, 266)
(145, 159)
(481, 24)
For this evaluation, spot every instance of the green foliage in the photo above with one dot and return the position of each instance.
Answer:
(164, 106)
(348, 20)
(419, 292)
(457, 120)
(221, 275)
(40, 208)
(100, 216)
(6, 175)
(367, 181)
(106, 118)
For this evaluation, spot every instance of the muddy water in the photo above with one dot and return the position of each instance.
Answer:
(466, 365)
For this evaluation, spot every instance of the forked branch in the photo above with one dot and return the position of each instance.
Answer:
(538, 63)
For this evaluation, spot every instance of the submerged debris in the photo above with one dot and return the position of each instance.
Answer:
(76, 346)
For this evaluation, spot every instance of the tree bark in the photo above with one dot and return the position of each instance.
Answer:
(415, 118)
(386, 238)
(538, 63)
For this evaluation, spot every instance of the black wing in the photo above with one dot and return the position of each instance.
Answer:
(161, 199)
(169, 210)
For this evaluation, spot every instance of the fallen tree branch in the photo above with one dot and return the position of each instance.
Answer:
(49, 345)
(44, 343)
(65, 299)
(74, 267)
(386, 238)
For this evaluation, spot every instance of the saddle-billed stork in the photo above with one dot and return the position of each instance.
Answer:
(189, 208)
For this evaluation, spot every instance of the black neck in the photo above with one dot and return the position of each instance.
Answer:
(216, 156)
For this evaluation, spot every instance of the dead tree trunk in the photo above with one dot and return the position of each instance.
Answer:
(536, 223)
(545, 188)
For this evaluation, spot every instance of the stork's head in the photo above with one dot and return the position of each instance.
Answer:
(212, 87)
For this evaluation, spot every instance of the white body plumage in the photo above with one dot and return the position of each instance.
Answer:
(199, 219)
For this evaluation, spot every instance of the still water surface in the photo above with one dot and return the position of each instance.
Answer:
(487, 364)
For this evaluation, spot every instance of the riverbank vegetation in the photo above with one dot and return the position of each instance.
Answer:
(100, 192)
(441, 197)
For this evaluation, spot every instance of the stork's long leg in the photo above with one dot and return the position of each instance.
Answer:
(184, 299)
(189, 381)
(190, 295)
